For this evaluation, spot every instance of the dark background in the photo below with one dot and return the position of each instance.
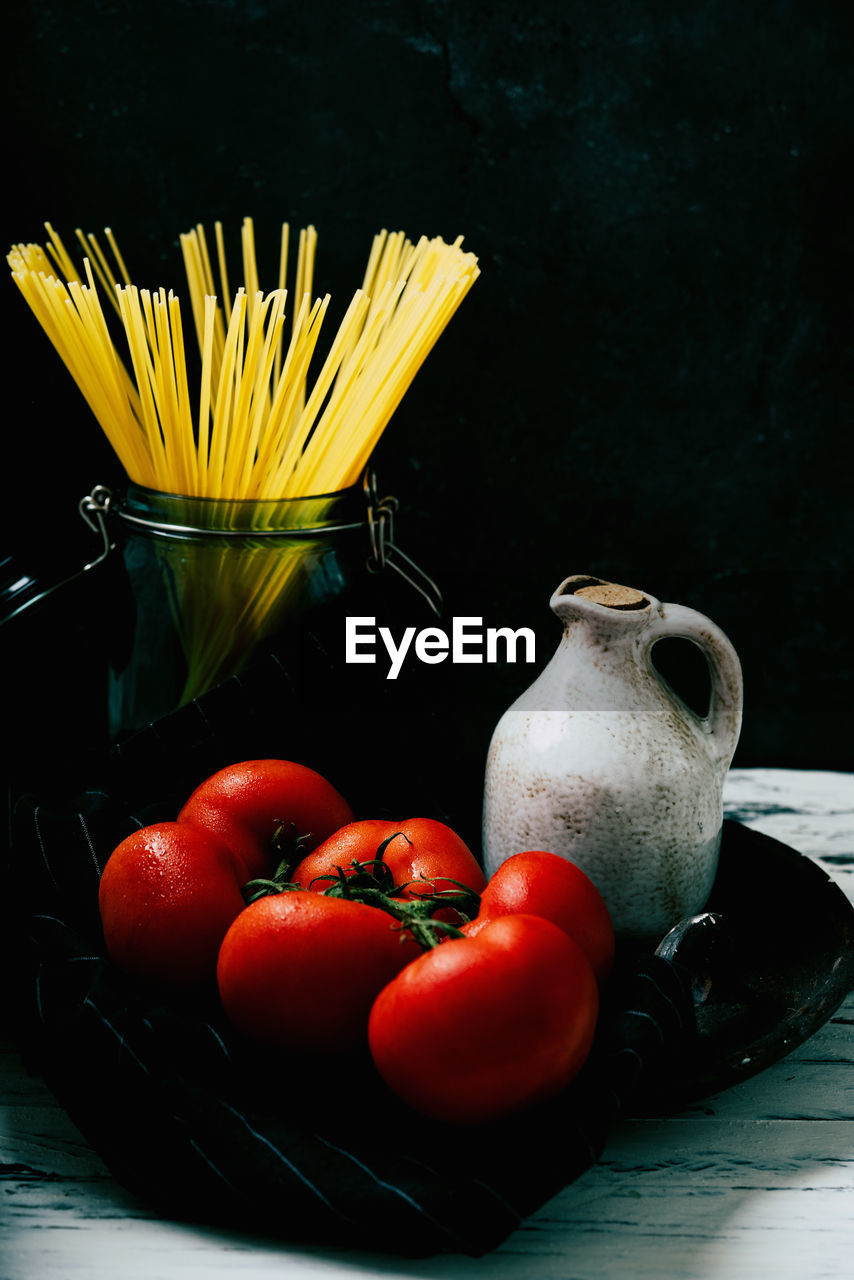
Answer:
(650, 381)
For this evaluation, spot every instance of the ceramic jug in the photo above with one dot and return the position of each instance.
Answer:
(601, 762)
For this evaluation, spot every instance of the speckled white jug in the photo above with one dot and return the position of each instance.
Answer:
(601, 762)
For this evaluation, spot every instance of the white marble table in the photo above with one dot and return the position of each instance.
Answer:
(756, 1181)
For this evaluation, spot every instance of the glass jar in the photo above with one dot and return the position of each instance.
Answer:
(205, 584)
(213, 581)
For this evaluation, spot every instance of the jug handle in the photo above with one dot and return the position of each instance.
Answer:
(722, 724)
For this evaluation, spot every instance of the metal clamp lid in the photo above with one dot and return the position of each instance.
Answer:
(384, 550)
(96, 508)
(169, 529)
(20, 590)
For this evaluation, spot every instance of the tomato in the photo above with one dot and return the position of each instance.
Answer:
(422, 849)
(481, 1027)
(167, 896)
(244, 804)
(543, 884)
(298, 970)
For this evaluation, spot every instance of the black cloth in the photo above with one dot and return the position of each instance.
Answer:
(204, 1126)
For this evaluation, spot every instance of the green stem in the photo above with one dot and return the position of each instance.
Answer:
(413, 914)
(289, 847)
(372, 884)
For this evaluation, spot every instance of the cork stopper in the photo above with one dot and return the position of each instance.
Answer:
(610, 594)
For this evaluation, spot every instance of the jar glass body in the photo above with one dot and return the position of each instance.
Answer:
(212, 582)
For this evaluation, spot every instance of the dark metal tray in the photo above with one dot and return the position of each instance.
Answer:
(769, 961)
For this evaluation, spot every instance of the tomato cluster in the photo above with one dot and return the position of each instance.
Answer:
(169, 892)
(325, 934)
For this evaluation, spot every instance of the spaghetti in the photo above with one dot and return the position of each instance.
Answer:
(258, 426)
(257, 429)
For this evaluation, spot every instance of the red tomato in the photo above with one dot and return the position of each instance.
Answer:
(167, 896)
(543, 884)
(422, 848)
(301, 971)
(244, 804)
(481, 1027)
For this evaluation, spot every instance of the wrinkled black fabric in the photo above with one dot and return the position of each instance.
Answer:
(200, 1123)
